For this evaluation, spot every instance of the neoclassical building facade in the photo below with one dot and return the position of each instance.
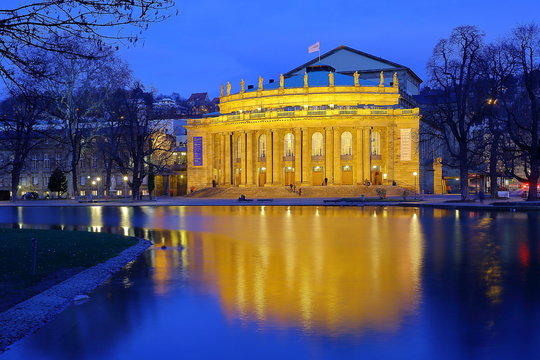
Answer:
(318, 128)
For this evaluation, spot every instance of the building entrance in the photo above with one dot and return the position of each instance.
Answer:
(289, 176)
(262, 176)
(318, 176)
(347, 175)
(237, 177)
(376, 175)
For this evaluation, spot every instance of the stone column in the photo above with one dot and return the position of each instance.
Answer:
(358, 163)
(297, 156)
(276, 159)
(269, 159)
(222, 158)
(250, 152)
(243, 159)
(328, 153)
(366, 164)
(337, 156)
(209, 158)
(306, 161)
(227, 155)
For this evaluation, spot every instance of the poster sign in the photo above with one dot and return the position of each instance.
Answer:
(197, 151)
(406, 144)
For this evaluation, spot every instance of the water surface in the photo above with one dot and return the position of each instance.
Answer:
(302, 283)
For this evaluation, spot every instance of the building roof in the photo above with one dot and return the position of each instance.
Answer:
(198, 97)
(317, 78)
(390, 65)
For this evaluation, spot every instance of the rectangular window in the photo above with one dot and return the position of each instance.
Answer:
(23, 181)
(46, 162)
(83, 192)
(83, 180)
(35, 180)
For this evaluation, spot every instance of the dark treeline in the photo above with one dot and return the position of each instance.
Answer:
(484, 105)
(67, 87)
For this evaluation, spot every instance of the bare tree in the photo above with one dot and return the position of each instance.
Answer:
(20, 132)
(77, 89)
(523, 108)
(146, 146)
(31, 26)
(453, 70)
(496, 76)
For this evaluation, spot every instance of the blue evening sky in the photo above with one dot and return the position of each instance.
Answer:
(214, 41)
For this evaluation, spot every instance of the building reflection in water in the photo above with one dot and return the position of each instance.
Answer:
(301, 267)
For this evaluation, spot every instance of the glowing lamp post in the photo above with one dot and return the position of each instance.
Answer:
(125, 178)
(415, 174)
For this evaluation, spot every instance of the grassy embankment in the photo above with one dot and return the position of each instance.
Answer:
(60, 255)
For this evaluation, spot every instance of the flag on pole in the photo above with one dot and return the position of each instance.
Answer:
(315, 47)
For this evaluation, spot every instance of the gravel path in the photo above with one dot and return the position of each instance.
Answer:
(30, 315)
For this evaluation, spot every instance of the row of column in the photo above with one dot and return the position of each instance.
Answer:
(275, 166)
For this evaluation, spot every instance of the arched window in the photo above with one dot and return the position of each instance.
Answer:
(317, 144)
(262, 146)
(239, 148)
(346, 143)
(375, 143)
(288, 145)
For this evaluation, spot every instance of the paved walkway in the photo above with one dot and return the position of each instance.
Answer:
(439, 201)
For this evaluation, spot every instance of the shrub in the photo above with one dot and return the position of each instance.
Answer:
(381, 192)
(58, 182)
(4, 195)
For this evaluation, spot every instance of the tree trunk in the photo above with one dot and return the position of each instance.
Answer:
(108, 175)
(533, 181)
(15, 178)
(493, 159)
(463, 172)
(74, 177)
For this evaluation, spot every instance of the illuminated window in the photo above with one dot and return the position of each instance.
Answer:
(375, 143)
(262, 146)
(346, 143)
(288, 145)
(317, 144)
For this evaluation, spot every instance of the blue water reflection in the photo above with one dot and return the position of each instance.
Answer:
(302, 283)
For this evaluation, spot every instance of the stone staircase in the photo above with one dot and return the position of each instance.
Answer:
(274, 192)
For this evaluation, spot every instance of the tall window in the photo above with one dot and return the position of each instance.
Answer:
(262, 146)
(317, 144)
(34, 161)
(346, 143)
(375, 143)
(288, 145)
(239, 148)
(46, 162)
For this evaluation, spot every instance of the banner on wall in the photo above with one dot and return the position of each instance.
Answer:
(406, 144)
(197, 151)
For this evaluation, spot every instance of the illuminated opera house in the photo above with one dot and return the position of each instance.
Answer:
(347, 119)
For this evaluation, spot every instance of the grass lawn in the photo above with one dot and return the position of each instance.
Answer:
(60, 254)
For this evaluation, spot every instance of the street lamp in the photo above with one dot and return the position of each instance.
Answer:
(125, 178)
(415, 174)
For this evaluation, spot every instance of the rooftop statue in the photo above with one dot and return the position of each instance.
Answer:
(228, 88)
(356, 77)
(396, 80)
(260, 83)
(242, 85)
(331, 78)
(381, 82)
(281, 81)
(305, 79)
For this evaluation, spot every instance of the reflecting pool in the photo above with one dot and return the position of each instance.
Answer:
(302, 283)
